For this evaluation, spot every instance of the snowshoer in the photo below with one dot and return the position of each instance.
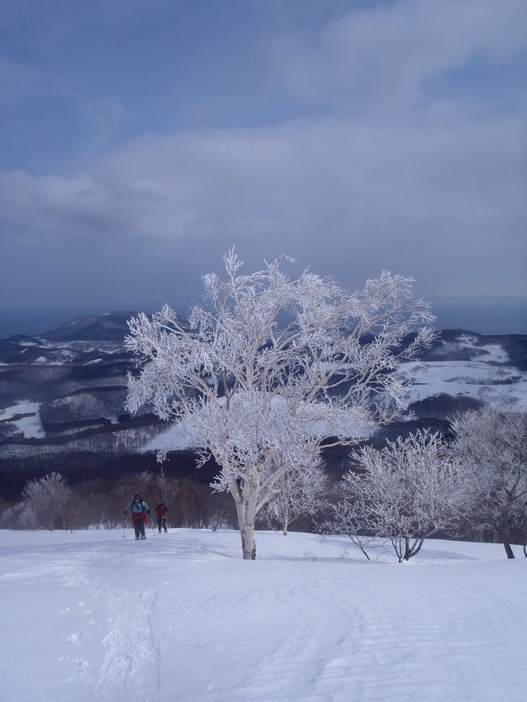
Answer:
(139, 510)
(161, 511)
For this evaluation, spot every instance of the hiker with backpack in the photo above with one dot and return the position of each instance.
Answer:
(139, 511)
(161, 511)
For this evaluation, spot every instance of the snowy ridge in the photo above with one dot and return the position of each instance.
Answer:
(488, 375)
(182, 617)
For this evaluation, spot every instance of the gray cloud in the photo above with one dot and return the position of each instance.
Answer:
(389, 158)
(387, 55)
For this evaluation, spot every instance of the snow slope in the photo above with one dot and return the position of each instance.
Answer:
(488, 375)
(25, 417)
(180, 618)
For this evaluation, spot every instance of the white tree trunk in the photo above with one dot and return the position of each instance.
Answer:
(246, 511)
(248, 542)
(285, 519)
(246, 526)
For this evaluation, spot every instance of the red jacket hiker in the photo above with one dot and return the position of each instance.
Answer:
(161, 511)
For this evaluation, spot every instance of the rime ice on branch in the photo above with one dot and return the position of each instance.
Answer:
(273, 367)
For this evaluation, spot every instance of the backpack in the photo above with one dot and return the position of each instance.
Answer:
(139, 504)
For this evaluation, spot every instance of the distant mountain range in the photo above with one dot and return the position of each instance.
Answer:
(62, 399)
(112, 326)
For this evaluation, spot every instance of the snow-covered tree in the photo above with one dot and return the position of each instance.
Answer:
(493, 442)
(299, 492)
(47, 502)
(272, 367)
(404, 493)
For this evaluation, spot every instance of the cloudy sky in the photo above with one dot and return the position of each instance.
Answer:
(140, 140)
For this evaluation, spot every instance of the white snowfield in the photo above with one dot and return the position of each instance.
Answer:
(487, 377)
(181, 617)
(26, 417)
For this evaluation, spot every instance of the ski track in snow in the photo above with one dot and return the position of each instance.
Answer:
(181, 618)
(116, 614)
(130, 666)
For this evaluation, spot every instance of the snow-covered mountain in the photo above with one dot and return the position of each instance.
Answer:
(62, 397)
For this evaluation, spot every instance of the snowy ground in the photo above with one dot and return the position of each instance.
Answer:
(181, 617)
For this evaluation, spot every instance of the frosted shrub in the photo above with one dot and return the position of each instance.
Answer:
(408, 491)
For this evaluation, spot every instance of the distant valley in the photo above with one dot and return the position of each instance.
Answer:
(62, 400)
